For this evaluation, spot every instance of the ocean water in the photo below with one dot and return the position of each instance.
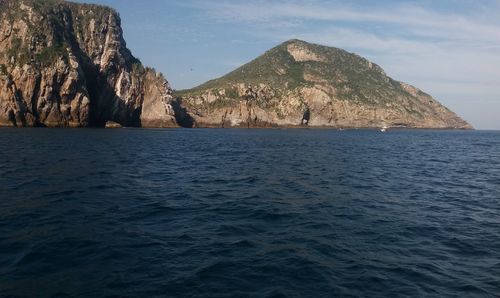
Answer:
(249, 213)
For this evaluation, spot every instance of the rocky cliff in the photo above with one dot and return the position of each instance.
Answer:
(299, 84)
(67, 65)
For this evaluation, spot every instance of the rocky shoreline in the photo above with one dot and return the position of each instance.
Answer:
(65, 64)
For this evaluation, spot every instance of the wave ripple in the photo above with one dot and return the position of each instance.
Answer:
(249, 213)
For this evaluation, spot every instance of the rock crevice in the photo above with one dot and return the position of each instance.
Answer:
(67, 65)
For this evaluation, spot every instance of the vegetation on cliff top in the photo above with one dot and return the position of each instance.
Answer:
(47, 38)
(353, 77)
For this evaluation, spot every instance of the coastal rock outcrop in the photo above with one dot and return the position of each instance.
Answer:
(301, 84)
(65, 64)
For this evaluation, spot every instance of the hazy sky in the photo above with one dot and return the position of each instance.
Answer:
(450, 49)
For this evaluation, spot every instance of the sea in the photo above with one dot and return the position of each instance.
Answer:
(249, 213)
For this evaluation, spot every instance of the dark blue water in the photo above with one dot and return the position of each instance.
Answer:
(249, 213)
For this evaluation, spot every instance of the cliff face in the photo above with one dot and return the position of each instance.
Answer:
(66, 64)
(298, 83)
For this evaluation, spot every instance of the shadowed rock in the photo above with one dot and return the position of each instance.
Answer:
(66, 64)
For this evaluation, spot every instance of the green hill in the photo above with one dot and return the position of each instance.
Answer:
(337, 88)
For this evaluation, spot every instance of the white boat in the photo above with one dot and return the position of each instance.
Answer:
(384, 128)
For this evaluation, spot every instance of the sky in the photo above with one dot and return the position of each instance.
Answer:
(449, 49)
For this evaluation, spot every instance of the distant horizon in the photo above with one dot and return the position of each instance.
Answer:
(447, 49)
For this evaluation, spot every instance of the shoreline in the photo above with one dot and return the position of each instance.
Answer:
(254, 128)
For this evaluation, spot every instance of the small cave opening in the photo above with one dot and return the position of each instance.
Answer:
(306, 117)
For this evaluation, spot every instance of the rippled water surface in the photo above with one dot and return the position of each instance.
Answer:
(249, 213)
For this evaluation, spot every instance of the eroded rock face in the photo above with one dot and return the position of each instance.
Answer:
(303, 54)
(298, 84)
(66, 64)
